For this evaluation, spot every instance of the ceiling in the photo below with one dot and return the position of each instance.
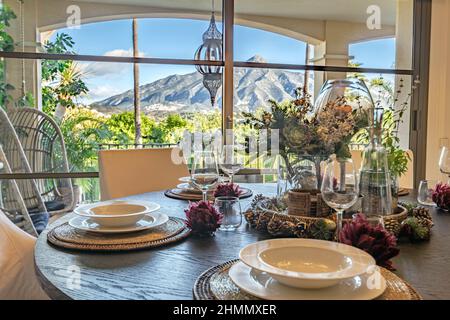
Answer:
(339, 10)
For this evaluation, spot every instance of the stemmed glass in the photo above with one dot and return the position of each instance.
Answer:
(444, 161)
(231, 160)
(204, 173)
(339, 187)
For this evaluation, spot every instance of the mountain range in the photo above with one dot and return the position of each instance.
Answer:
(186, 93)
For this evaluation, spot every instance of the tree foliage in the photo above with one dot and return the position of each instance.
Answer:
(63, 82)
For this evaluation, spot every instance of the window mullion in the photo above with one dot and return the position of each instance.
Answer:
(228, 86)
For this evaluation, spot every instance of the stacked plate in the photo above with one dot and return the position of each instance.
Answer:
(303, 269)
(187, 186)
(118, 216)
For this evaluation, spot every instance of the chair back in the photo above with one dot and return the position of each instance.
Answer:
(43, 144)
(20, 195)
(17, 275)
(129, 172)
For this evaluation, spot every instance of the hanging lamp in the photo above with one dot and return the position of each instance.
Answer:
(211, 50)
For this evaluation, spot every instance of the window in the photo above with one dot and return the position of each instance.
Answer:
(276, 46)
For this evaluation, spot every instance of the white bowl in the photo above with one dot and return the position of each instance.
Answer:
(262, 285)
(117, 213)
(306, 263)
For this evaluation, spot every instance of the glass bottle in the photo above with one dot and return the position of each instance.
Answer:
(375, 181)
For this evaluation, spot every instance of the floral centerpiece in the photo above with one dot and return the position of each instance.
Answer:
(305, 135)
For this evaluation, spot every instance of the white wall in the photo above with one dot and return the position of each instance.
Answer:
(439, 92)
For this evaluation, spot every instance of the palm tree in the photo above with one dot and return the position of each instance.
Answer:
(137, 95)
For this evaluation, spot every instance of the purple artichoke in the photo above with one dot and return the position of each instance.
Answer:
(376, 241)
(202, 217)
(228, 190)
(441, 196)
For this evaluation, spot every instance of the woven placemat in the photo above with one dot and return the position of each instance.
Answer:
(180, 194)
(70, 238)
(215, 284)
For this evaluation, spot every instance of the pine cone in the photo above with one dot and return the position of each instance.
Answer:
(393, 226)
(421, 212)
(263, 221)
(415, 230)
(281, 228)
(300, 230)
(251, 216)
(427, 223)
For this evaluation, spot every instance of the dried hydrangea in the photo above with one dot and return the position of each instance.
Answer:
(203, 218)
(376, 241)
(228, 190)
(441, 196)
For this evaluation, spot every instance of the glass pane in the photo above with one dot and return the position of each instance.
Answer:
(372, 33)
(165, 29)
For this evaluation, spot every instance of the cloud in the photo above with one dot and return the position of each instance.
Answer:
(123, 53)
(100, 92)
(115, 69)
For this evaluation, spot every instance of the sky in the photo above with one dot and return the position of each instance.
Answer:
(179, 38)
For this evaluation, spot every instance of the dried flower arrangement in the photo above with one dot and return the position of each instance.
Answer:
(228, 190)
(306, 135)
(376, 241)
(302, 132)
(203, 218)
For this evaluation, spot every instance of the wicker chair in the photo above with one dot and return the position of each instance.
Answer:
(44, 147)
(20, 199)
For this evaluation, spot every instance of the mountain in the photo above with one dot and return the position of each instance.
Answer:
(185, 93)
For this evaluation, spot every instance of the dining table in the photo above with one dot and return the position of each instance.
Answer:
(169, 272)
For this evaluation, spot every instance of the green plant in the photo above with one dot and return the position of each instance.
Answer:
(388, 99)
(122, 127)
(6, 40)
(6, 44)
(62, 79)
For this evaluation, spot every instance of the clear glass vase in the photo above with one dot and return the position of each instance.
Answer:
(300, 172)
(354, 92)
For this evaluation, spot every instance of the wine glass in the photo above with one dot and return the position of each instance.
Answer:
(425, 193)
(204, 173)
(231, 160)
(339, 187)
(444, 161)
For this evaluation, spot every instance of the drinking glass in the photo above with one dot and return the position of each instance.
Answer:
(339, 187)
(444, 161)
(425, 193)
(230, 208)
(204, 173)
(231, 160)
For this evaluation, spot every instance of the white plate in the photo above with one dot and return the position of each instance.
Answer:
(149, 221)
(306, 263)
(188, 179)
(117, 213)
(187, 187)
(262, 285)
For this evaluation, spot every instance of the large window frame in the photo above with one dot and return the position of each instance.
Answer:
(421, 47)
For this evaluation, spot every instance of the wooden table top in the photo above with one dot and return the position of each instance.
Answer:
(170, 272)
